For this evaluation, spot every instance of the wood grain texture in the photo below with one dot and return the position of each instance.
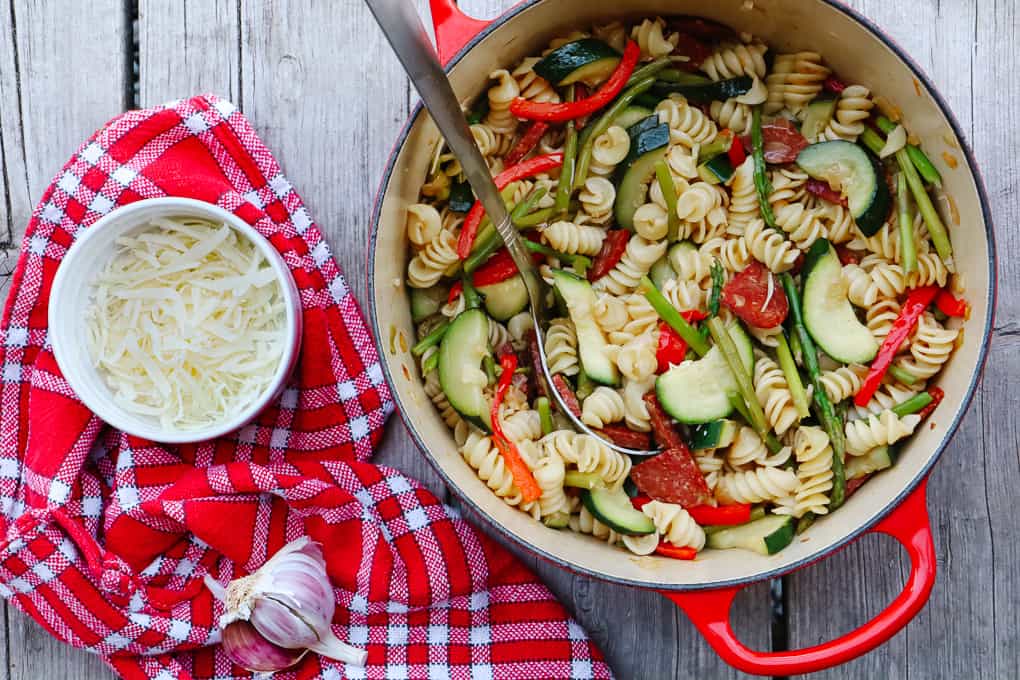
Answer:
(64, 71)
(969, 627)
(331, 122)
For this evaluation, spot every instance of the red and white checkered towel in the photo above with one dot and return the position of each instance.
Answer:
(106, 537)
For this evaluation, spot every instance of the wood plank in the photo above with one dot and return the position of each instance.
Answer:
(331, 129)
(64, 71)
(186, 48)
(966, 630)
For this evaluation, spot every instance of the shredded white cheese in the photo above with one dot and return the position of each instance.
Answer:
(186, 322)
(768, 297)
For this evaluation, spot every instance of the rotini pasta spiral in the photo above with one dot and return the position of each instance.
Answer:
(687, 124)
(480, 453)
(756, 485)
(801, 224)
(844, 382)
(930, 348)
(701, 201)
(878, 430)
(423, 223)
(561, 347)
(839, 223)
(610, 312)
(498, 335)
(602, 407)
(489, 142)
(549, 472)
(865, 288)
(572, 238)
(434, 391)
(635, 410)
(731, 60)
(795, 80)
(609, 150)
(682, 162)
(788, 186)
(675, 524)
(710, 465)
(732, 254)
(814, 473)
(650, 37)
(531, 85)
(690, 264)
(852, 109)
(683, 295)
(518, 326)
(880, 317)
(635, 358)
(453, 308)
(431, 262)
(637, 260)
(769, 248)
(597, 197)
(587, 454)
(732, 114)
(585, 523)
(774, 394)
(767, 337)
(522, 426)
(747, 447)
(499, 119)
(651, 221)
(641, 319)
(743, 199)
(931, 271)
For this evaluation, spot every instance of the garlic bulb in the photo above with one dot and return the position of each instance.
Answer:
(284, 608)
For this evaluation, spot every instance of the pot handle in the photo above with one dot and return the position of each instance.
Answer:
(453, 28)
(908, 524)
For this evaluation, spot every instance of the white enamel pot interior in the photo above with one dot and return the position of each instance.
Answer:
(858, 52)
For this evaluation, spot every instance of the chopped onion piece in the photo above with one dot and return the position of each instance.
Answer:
(897, 140)
(186, 323)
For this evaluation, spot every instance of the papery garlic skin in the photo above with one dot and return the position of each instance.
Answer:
(289, 602)
(248, 649)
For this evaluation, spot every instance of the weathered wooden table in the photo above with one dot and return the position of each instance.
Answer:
(321, 87)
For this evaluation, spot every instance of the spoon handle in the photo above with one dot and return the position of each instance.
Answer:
(403, 28)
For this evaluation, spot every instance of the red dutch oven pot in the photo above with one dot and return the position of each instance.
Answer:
(892, 503)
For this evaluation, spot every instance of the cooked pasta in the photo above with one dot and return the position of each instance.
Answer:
(756, 485)
(561, 347)
(657, 208)
(687, 124)
(637, 260)
(602, 407)
(769, 248)
(573, 238)
(774, 394)
(878, 430)
(675, 525)
(597, 197)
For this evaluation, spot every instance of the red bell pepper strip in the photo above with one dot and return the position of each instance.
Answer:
(528, 168)
(951, 306)
(528, 141)
(519, 470)
(496, 269)
(834, 85)
(823, 191)
(613, 247)
(677, 553)
(721, 515)
(672, 349)
(917, 301)
(559, 112)
(937, 395)
(737, 155)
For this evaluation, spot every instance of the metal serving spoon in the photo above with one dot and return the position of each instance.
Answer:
(403, 28)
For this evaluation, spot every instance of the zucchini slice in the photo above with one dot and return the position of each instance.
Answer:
(426, 301)
(633, 114)
(857, 173)
(461, 197)
(765, 536)
(713, 435)
(879, 458)
(716, 170)
(828, 315)
(506, 298)
(661, 272)
(612, 507)
(591, 343)
(648, 142)
(464, 346)
(589, 61)
(705, 93)
(817, 116)
(698, 390)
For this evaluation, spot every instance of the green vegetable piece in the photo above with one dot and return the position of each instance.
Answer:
(908, 250)
(672, 317)
(718, 278)
(761, 177)
(912, 405)
(797, 391)
(665, 179)
(545, 414)
(430, 340)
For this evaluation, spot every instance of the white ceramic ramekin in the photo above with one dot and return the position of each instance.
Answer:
(69, 298)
